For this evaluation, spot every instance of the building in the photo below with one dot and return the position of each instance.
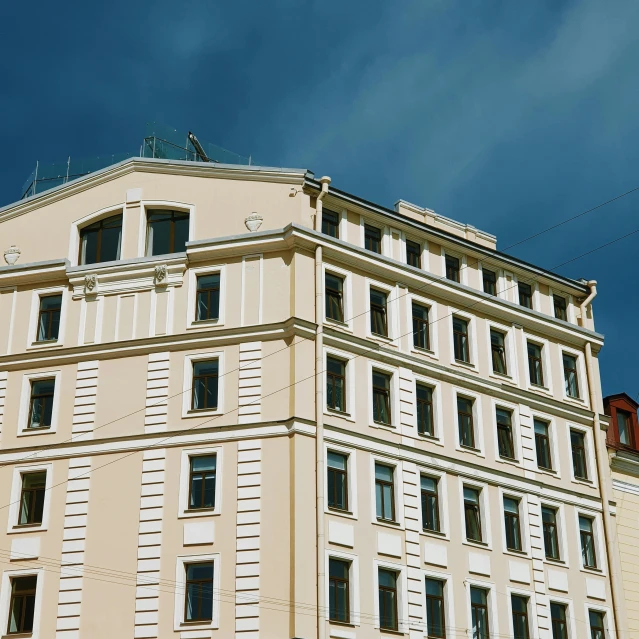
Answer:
(623, 452)
(184, 345)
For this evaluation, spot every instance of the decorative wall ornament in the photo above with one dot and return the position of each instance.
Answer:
(160, 274)
(11, 255)
(90, 283)
(253, 222)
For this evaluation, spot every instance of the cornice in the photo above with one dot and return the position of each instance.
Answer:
(33, 272)
(625, 462)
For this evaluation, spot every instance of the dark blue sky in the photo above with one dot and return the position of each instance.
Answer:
(510, 116)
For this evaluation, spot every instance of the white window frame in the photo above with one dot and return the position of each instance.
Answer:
(351, 399)
(442, 499)
(180, 589)
(597, 532)
(398, 496)
(185, 467)
(433, 325)
(512, 375)
(402, 593)
(493, 619)
(385, 234)
(478, 425)
(590, 458)
(582, 381)
(607, 612)
(392, 312)
(554, 443)
(499, 279)
(347, 296)
(5, 597)
(524, 522)
(168, 205)
(473, 365)
(194, 273)
(516, 431)
(484, 513)
(424, 255)
(533, 628)
(562, 535)
(353, 584)
(32, 335)
(547, 388)
(394, 395)
(189, 360)
(449, 596)
(351, 473)
(16, 489)
(536, 302)
(463, 265)
(25, 397)
(438, 410)
(571, 620)
(91, 218)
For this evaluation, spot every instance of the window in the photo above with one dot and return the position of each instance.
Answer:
(336, 384)
(452, 268)
(205, 385)
(202, 476)
(520, 616)
(472, 514)
(379, 324)
(505, 434)
(511, 522)
(498, 352)
(460, 340)
(578, 445)
(587, 537)
(560, 307)
(100, 242)
(535, 365)
(551, 538)
(381, 398)
(490, 281)
(525, 294)
(167, 232)
(465, 422)
(413, 254)
(337, 479)
(207, 303)
(435, 611)
(597, 627)
(41, 403)
(542, 445)
(330, 223)
(384, 492)
(425, 421)
(421, 336)
(624, 426)
(372, 238)
(22, 604)
(570, 375)
(479, 613)
(49, 318)
(199, 592)
(338, 590)
(558, 620)
(387, 580)
(430, 503)
(32, 498)
(334, 297)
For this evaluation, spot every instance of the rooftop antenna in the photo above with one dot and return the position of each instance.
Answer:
(198, 148)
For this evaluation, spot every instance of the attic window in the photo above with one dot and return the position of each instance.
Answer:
(167, 232)
(100, 242)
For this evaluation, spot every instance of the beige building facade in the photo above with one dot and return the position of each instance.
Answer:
(236, 401)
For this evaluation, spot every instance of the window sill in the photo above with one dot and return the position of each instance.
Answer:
(516, 553)
(555, 562)
(583, 482)
(383, 339)
(433, 439)
(204, 512)
(18, 635)
(540, 389)
(205, 323)
(511, 461)
(435, 534)
(428, 352)
(389, 427)
(394, 525)
(204, 412)
(466, 365)
(36, 431)
(39, 346)
(333, 323)
(397, 633)
(471, 451)
(593, 570)
(577, 401)
(477, 544)
(338, 413)
(25, 528)
(344, 624)
(503, 377)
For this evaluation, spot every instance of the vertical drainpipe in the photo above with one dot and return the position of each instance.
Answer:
(603, 469)
(319, 417)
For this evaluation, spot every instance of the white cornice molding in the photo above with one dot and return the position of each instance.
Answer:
(34, 272)
(627, 463)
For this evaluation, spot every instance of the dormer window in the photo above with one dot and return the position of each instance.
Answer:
(167, 232)
(100, 242)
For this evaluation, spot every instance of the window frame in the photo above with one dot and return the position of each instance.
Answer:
(398, 495)
(394, 395)
(393, 493)
(534, 293)
(484, 513)
(562, 542)
(449, 599)
(438, 417)
(194, 273)
(5, 599)
(354, 585)
(510, 352)
(581, 380)
(420, 321)
(478, 424)
(600, 567)
(347, 298)
(545, 364)
(392, 312)
(420, 255)
(555, 456)
(98, 217)
(524, 523)
(605, 611)
(491, 605)
(531, 606)
(498, 287)
(570, 306)
(349, 389)
(433, 326)
(351, 484)
(401, 590)
(32, 335)
(515, 429)
(438, 501)
(158, 205)
(531, 286)
(383, 231)
(591, 480)
(180, 589)
(462, 265)
(189, 360)
(340, 216)
(13, 527)
(472, 341)
(25, 402)
(329, 375)
(184, 487)
(568, 604)
(442, 488)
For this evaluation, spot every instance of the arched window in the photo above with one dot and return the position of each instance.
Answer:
(100, 242)
(167, 232)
